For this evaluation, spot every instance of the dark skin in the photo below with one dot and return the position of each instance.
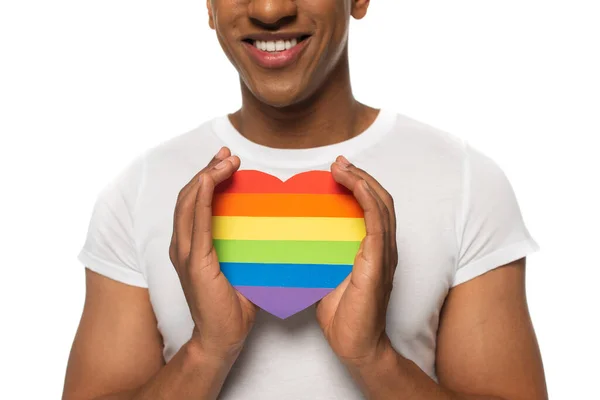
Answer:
(486, 345)
(292, 107)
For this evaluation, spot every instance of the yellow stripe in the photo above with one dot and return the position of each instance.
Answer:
(288, 228)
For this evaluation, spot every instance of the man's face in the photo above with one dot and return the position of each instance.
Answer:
(283, 49)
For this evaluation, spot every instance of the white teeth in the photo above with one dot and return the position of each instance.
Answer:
(272, 46)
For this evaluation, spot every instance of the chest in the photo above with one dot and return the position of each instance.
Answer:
(426, 251)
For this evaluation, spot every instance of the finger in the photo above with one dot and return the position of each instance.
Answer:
(347, 177)
(326, 306)
(373, 183)
(188, 193)
(184, 212)
(183, 223)
(222, 154)
(201, 240)
(369, 263)
(384, 195)
(373, 261)
(336, 294)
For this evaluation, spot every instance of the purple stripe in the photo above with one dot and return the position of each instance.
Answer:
(283, 301)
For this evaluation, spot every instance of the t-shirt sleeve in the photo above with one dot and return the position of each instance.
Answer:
(492, 231)
(110, 247)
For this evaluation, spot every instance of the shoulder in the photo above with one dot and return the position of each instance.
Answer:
(428, 137)
(423, 147)
(417, 156)
(197, 143)
(166, 165)
(428, 147)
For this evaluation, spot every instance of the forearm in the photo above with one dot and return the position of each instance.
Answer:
(190, 374)
(393, 377)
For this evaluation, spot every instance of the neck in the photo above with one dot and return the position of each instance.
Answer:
(331, 115)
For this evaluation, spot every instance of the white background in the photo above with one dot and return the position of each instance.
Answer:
(87, 85)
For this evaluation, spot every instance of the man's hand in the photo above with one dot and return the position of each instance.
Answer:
(353, 316)
(222, 316)
(117, 353)
(478, 358)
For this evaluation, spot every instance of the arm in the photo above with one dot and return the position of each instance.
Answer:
(117, 349)
(117, 352)
(486, 349)
(486, 346)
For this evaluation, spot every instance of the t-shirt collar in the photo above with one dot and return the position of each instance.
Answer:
(301, 158)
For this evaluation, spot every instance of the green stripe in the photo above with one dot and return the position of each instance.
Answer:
(286, 251)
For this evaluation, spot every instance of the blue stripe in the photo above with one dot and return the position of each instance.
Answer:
(286, 275)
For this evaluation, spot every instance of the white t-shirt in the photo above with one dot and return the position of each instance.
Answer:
(457, 218)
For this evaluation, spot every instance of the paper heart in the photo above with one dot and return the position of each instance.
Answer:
(285, 245)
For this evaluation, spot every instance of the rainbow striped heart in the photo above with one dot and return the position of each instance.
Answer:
(285, 245)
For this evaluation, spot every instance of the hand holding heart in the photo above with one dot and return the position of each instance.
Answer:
(222, 316)
(353, 316)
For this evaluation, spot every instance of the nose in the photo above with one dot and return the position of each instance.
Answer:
(272, 13)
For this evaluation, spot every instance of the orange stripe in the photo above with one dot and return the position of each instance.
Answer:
(286, 205)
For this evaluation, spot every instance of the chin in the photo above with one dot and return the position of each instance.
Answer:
(279, 98)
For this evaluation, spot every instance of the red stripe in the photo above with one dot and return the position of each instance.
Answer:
(312, 182)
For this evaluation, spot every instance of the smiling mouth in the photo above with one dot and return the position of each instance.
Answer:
(274, 46)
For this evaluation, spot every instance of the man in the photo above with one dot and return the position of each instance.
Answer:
(434, 307)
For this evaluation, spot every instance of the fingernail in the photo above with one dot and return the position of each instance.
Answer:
(220, 154)
(200, 179)
(221, 165)
(344, 161)
(341, 166)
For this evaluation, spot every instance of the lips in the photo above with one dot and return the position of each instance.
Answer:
(276, 51)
